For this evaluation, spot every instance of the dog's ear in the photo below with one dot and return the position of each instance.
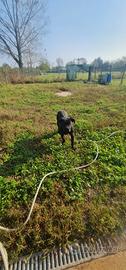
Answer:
(72, 119)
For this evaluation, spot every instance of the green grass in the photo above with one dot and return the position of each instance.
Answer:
(55, 77)
(17, 77)
(70, 206)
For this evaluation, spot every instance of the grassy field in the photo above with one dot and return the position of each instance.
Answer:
(14, 76)
(70, 206)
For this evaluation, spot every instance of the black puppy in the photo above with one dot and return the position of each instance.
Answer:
(64, 123)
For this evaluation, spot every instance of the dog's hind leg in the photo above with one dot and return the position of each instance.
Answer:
(63, 140)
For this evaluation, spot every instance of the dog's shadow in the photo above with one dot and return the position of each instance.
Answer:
(25, 149)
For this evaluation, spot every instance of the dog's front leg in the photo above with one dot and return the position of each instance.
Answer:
(63, 140)
(72, 140)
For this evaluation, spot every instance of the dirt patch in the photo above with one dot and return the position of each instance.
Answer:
(64, 93)
(113, 262)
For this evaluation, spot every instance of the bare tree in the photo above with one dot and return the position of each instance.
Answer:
(59, 62)
(18, 29)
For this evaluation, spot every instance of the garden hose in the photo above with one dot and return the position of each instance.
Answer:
(20, 228)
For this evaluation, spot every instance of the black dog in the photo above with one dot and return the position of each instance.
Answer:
(65, 126)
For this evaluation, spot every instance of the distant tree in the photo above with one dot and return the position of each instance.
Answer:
(31, 58)
(106, 66)
(44, 65)
(6, 66)
(119, 64)
(5, 69)
(59, 62)
(70, 63)
(80, 61)
(17, 26)
(97, 63)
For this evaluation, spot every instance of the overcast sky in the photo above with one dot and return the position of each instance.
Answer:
(86, 28)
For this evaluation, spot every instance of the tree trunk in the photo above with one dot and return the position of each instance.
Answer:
(20, 64)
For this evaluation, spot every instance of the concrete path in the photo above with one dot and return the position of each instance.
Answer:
(113, 262)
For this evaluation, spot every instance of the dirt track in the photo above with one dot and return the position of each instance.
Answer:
(113, 262)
